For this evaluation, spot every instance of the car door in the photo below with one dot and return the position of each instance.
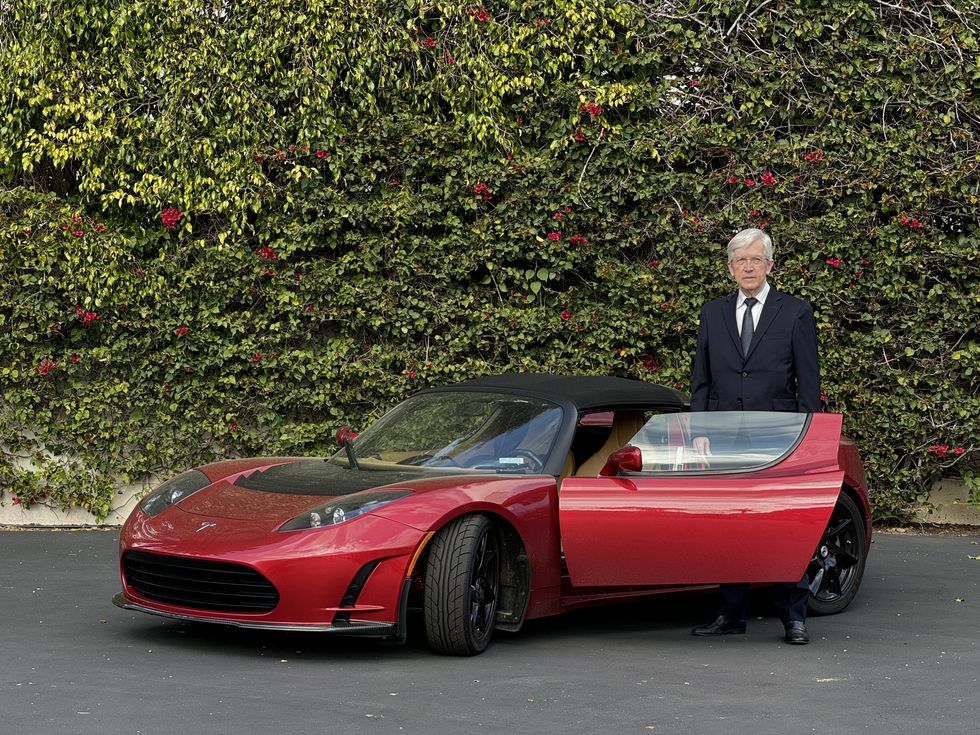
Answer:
(752, 510)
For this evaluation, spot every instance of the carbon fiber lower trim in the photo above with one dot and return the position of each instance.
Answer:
(352, 627)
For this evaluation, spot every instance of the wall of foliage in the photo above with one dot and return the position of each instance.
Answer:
(231, 227)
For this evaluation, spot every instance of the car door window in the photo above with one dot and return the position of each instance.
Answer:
(737, 441)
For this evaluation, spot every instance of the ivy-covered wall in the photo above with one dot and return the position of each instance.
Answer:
(230, 227)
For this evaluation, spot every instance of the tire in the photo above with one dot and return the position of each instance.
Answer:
(462, 584)
(837, 566)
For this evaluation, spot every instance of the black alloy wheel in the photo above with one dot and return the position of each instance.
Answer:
(462, 585)
(837, 566)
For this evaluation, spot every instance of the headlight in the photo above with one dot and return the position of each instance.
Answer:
(173, 491)
(343, 509)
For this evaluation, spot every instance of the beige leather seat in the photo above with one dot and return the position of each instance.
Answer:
(625, 425)
(568, 469)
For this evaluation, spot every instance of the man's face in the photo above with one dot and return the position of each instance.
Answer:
(749, 267)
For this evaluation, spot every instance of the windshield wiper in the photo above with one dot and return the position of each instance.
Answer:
(351, 457)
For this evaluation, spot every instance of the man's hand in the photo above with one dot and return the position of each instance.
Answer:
(701, 445)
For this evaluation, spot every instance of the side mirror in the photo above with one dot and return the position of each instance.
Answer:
(345, 434)
(628, 459)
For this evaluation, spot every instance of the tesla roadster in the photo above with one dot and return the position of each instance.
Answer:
(494, 501)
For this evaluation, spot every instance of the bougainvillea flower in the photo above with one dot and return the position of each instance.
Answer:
(170, 217)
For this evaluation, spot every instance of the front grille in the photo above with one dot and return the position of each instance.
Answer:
(205, 585)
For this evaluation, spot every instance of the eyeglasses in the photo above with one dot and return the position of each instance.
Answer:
(744, 262)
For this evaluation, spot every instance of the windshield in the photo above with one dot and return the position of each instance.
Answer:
(733, 441)
(492, 432)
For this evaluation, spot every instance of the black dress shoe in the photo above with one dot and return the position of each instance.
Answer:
(720, 626)
(796, 633)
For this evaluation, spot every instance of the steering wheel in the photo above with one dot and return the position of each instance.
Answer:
(534, 463)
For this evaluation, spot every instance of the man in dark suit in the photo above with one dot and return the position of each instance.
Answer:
(756, 351)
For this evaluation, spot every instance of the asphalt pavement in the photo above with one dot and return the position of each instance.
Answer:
(905, 658)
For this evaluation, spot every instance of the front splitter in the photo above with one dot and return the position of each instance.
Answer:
(352, 627)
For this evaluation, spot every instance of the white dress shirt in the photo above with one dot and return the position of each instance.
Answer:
(756, 310)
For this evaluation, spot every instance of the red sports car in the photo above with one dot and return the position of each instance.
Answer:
(498, 500)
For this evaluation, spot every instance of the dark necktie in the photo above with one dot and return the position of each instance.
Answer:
(748, 326)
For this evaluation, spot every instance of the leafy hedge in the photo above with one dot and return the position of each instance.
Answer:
(230, 227)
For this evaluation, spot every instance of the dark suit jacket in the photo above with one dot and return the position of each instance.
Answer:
(780, 372)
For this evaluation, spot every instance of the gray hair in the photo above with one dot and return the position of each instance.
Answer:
(749, 237)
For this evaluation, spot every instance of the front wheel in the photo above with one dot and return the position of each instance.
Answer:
(462, 583)
(837, 566)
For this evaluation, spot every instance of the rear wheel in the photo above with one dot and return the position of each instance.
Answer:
(462, 584)
(837, 566)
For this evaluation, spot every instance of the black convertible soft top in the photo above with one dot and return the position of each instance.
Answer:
(585, 392)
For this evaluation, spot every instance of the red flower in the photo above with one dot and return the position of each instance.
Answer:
(654, 263)
(170, 217)
(181, 331)
(74, 358)
(100, 228)
(482, 190)
(768, 179)
(823, 397)
(565, 315)
(834, 262)
(410, 374)
(233, 426)
(578, 240)
(78, 233)
(46, 366)
(268, 273)
(733, 179)
(310, 309)
(579, 136)
(542, 21)
(749, 182)
(480, 13)
(258, 158)
(395, 181)
(321, 154)
(555, 236)
(650, 364)
(693, 83)
(558, 215)
(15, 500)
(429, 42)
(257, 356)
(959, 450)
(449, 57)
(90, 316)
(592, 108)
(266, 252)
(816, 155)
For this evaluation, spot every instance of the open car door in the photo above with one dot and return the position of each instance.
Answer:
(752, 509)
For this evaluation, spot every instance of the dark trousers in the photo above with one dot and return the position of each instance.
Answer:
(789, 598)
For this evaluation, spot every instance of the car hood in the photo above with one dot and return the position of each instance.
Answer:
(279, 492)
